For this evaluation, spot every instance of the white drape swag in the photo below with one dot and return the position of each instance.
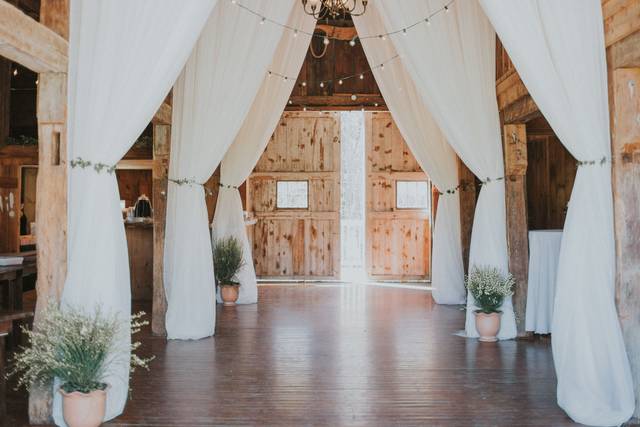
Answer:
(452, 63)
(558, 49)
(251, 140)
(210, 102)
(112, 96)
(431, 150)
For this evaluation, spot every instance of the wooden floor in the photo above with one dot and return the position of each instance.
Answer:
(340, 355)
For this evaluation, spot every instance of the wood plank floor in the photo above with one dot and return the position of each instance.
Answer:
(340, 355)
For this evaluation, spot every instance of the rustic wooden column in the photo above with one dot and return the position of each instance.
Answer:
(51, 209)
(515, 165)
(5, 99)
(626, 188)
(467, 192)
(161, 149)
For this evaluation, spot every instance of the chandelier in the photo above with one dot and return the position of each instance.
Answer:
(320, 9)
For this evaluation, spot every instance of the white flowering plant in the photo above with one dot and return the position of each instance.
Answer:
(489, 287)
(77, 348)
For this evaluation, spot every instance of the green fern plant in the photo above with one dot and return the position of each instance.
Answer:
(227, 260)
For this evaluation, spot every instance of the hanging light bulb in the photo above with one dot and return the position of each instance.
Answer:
(375, 104)
(382, 66)
(446, 9)
(404, 31)
(37, 81)
(321, 84)
(304, 84)
(304, 108)
(295, 33)
(354, 97)
(340, 82)
(270, 73)
(15, 72)
(263, 20)
(352, 42)
(361, 76)
(290, 102)
(428, 21)
(325, 40)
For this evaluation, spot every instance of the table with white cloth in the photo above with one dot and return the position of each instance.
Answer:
(544, 250)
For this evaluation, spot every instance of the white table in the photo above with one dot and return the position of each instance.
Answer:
(544, 249)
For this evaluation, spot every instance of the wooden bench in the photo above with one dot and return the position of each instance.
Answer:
(7, 317)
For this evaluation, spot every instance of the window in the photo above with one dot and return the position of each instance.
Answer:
(412, 195)
(292, 194)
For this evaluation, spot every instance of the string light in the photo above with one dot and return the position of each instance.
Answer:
(326, 41)
(341, 79)
(354, 97)
(426, 20)
(15, 72)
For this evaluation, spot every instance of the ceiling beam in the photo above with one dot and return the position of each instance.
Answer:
(28, 42)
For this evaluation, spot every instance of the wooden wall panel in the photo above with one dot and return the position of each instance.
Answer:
(134, 183)
(398, 241)
(298, 243)
(550, 175)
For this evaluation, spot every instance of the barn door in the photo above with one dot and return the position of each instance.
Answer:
(294, 193)
(398, 205)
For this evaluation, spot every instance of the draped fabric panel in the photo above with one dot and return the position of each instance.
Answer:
(210, 102)
(429, 147)
(252, 139)
(112, 96)
(558, 49)
(452, 63)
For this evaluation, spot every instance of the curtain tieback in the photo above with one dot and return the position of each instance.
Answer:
(599, 162)
(81, 163)
(190, 182)
(460, 187)
(222, 185)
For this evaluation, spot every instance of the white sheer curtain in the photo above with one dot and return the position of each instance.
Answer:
(251, 140)
(452, 63)
(558, 50)
(431, 150)
(210, 101)
(113, 93)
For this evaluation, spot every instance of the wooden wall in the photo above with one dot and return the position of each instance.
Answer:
(340, 59)
(134, 183)
(622, 37)
(551, 171)
(12, 158)
(298, 243)
(398, 241)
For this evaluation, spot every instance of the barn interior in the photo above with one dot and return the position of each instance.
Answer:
(353, 321)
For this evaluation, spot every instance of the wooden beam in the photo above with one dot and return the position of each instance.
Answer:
(340, 33)
(521, 111)
(626, 187)
(161, 151)
(30, 43)
(467, 182)
(163, 115)
(337, 101)
(515, 155)
(51, 209)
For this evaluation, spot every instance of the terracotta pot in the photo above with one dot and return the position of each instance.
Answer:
(487, 326)
(84, 409)
(229, 294)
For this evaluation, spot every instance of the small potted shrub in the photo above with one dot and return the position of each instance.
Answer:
(78, 349)
(227, 262)
(489, 288)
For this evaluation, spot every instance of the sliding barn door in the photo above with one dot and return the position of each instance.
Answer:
(398, 205)
(294, 193)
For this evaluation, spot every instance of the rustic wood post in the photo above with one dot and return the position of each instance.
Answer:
(51, 209)
(626, 188)
(468, 200)
(5, 99)
(161, 149)
(515, 165)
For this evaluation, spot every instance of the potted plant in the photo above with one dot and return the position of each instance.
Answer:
(227, 262)
(78, 349)
(489, 288)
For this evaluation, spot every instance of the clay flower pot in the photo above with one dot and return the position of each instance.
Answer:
(84, 409)
(229, 294)
(487, 325)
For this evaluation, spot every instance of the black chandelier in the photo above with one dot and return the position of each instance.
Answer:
(321, 9)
